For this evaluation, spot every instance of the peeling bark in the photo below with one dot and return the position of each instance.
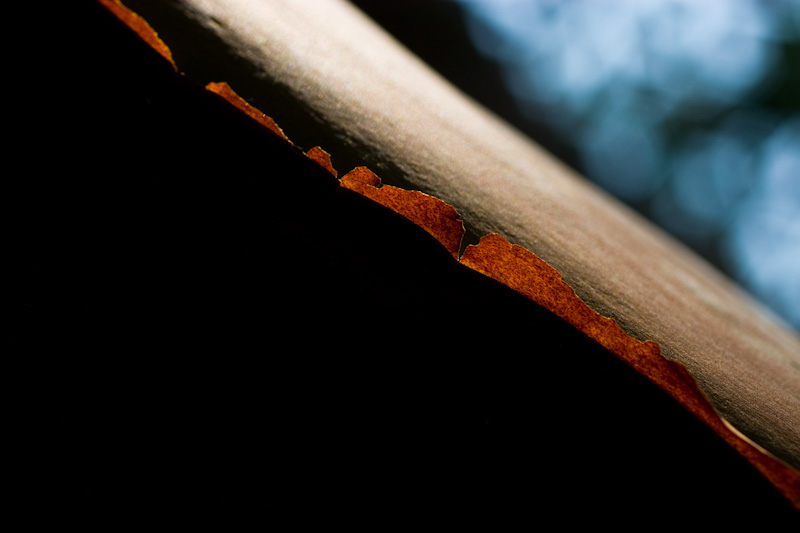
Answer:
(577, 254)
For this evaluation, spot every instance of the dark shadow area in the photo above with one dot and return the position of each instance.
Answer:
(219, 329)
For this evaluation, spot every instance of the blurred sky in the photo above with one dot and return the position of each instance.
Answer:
(687, 110)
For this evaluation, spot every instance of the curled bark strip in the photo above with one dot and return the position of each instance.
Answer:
(323, 158)
(521, 270)
(429, 213)
(141, 27)
(225, 91)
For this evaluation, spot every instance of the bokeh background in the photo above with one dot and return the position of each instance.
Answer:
(688, 111)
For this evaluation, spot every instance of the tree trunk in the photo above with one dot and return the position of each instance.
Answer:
(296, 311)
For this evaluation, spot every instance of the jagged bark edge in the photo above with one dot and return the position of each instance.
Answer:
(520, 270)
